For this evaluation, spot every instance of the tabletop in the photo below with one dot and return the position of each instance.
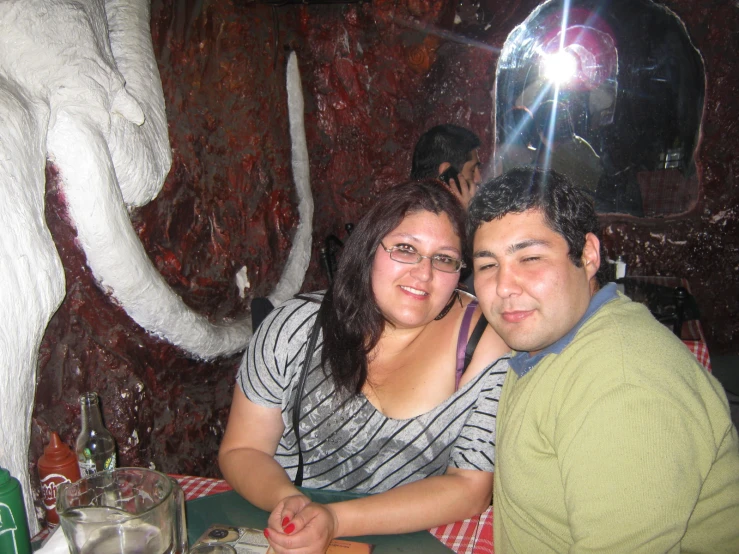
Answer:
(471, 536)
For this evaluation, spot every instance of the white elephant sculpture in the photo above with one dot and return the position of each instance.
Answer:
(79, 86)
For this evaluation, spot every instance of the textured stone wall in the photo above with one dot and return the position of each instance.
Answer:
(375, 76)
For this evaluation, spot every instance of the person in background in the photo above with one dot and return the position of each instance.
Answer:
(395, 404)
(611, 436)
(449, 152)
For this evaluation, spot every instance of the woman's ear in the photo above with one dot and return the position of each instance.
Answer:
(591, 255)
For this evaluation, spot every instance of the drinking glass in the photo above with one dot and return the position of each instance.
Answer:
(123, 511)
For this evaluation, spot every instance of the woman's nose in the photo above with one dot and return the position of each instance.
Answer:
(422, 270)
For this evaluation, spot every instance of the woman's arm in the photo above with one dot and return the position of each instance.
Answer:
(457, 495)
(246, 455)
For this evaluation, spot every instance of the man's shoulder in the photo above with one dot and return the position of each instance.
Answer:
(626, 320)
(626, 341)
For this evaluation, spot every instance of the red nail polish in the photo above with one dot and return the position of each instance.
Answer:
(290, 528)
(266, 533)
(285, 521)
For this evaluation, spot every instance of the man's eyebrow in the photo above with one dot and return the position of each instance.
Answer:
(513, 248)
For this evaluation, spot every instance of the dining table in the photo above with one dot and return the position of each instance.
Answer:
(471, 536)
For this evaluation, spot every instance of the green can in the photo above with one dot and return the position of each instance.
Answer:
(14, 537)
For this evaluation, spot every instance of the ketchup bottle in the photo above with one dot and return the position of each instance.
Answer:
(57, 465)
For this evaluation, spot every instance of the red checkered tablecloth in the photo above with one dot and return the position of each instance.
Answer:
(472, 536)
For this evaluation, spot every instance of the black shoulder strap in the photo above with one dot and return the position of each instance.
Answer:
(309, 349)
(474, 339)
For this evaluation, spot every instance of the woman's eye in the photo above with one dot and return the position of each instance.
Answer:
(447, 260)
(405, 248)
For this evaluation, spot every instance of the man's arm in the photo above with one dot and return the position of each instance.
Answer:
(632, 466)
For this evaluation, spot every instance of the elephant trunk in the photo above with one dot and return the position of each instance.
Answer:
(139, 149)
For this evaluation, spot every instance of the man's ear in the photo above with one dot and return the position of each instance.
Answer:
(443, 167)
(591, 255)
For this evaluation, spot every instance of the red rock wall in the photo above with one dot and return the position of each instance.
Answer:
(375, 76)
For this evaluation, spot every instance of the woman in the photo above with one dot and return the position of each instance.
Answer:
(383, 409)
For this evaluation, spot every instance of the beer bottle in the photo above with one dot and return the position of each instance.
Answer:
(95, 445)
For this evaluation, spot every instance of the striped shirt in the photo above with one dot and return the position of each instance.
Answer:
(348, 445)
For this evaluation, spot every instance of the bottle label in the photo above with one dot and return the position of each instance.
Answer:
(49, 485)
(88, 466)
(110, 462)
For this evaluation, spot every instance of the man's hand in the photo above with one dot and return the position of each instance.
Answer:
(299, 526)
(462, 189)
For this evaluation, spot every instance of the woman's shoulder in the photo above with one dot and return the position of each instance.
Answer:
(305, 302)
(292, 315)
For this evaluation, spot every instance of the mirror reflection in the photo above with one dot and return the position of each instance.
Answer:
(608, 93)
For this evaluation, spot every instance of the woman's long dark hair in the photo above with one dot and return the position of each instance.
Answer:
(351, 321)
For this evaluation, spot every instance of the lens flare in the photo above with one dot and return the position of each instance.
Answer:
(560, 68)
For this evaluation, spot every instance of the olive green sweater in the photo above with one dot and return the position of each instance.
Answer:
(616, 441)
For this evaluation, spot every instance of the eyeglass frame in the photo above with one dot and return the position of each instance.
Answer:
(421, 257)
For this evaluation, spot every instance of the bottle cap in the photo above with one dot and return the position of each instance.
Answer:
(56, 451)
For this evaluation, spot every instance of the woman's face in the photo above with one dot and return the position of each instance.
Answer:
(412, 295)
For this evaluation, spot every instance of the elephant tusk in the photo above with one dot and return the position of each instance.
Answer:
(299, 257)
(114, 252)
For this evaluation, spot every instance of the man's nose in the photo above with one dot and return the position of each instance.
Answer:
(507, 282)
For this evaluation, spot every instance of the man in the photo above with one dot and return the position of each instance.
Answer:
(449, 151)
(610, 436)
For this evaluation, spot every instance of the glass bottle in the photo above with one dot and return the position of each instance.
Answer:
(95, 445)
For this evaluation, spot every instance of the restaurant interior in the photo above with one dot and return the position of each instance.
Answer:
(266, 181)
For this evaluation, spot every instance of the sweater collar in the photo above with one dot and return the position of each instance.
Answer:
(523, 362)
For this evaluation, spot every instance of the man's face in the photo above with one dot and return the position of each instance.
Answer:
(529, 289)
(471, 169)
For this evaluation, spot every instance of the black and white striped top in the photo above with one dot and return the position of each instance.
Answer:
(348, 445)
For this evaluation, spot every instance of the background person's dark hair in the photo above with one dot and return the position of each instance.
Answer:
(351, 321)
(443, 143)
(568, 209)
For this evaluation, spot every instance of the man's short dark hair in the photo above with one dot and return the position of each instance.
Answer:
(568, 210)
(443, 143)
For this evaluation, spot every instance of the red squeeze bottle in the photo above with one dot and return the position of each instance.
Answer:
(57, 465)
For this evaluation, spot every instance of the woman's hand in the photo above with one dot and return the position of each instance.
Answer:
(299, 526)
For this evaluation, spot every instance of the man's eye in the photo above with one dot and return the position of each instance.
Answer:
(531, 259)
(483, 267)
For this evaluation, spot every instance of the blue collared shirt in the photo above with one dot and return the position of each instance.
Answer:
(523, 362)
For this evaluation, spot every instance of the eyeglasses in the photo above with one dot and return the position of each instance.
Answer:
(406, 254)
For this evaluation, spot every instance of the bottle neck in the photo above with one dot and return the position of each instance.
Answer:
(91, 418)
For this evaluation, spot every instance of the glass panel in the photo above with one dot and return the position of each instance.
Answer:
(609, 93)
